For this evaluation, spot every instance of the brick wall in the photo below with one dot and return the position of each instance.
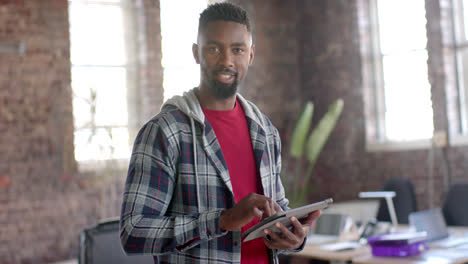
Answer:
(327, 53)
(44, 200)
(273, 80)
(309, 50)
(151, 73)
(305, 50)
(36, 128)
(331, 69)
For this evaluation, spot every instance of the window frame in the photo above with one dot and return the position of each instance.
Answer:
(459, 137)
(374, 87)
(461, 44)
(130, 67)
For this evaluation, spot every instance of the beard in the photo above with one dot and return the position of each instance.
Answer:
(218, 89)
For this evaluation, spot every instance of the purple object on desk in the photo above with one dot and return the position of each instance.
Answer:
(398, 244)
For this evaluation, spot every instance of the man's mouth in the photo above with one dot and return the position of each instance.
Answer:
(225, 76)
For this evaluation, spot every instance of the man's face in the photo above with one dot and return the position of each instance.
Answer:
(224, 52)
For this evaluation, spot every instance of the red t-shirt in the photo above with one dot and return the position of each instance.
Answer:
(233, 136)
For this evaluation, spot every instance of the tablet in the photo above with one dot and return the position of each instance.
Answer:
(256, 231)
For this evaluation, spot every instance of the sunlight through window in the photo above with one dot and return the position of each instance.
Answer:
(465, 16)
(179, 27)
(461, 49)
(99, 80)
(407, 92)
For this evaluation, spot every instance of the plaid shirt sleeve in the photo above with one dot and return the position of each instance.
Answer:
(150, 184)
(281, 199)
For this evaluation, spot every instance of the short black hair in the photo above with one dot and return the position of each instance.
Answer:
(223, 11)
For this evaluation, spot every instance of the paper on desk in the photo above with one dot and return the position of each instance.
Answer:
(339, 246)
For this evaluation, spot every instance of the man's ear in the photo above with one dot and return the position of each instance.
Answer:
(252, 54)
(195, 53)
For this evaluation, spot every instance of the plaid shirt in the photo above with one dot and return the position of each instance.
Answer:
(173, 198)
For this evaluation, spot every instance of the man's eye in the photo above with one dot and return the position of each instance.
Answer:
(238, 50)
(213, 49)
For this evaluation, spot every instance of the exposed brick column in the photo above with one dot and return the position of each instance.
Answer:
(151, 71)
(273, 81)
(36, 128)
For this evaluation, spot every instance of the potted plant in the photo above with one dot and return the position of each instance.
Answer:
(305, 149)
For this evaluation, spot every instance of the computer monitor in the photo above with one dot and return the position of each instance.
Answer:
(432, 221)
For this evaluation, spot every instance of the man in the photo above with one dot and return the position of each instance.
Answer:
(206, 168)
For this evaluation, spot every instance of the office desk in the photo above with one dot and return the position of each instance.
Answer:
(315, 252)
(362, 255)
(436, 256)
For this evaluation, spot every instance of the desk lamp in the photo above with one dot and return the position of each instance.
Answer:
(388, 199)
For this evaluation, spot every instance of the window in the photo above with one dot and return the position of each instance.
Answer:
(461, 49)
(179, 27)
(99, 79)
(402, 107)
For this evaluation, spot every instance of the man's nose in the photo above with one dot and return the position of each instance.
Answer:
(226, 59)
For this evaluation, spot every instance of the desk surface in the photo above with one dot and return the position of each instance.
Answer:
(362, 255)
(439, 256)
(315, 252)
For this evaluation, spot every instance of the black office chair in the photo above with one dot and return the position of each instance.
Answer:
(455, 208)
(101, 244)
(404, 201)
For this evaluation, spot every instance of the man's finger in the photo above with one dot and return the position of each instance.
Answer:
(270, 243)
(257, 213)
(298, 227)
(274, 240)
(272, 207)
(311, 218)
(266, 207)
(277, 207)
(286, 233)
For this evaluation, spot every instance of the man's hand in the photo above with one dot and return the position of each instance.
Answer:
(253, 205)
(290, 239)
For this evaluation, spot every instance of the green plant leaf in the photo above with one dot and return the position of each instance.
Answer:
(301, 129)
(317, 140)
(297, 184)
(322, 131)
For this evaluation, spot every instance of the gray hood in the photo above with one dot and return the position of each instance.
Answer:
(189, 104)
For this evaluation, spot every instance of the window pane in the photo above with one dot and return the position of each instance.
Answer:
(99, 1)
(100, 96)
(101, 143)
(181, 73)
(177, 85)
(465, 17)
(99, 80)
(402, 25)
(96, 34)
(406, 89)
(407, 97)
(463, 82)
(464, 68)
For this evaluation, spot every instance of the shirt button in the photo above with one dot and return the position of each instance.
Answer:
(236, 243)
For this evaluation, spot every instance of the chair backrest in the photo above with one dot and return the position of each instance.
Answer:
(455, 208)
(101, 244)
(404, 201)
